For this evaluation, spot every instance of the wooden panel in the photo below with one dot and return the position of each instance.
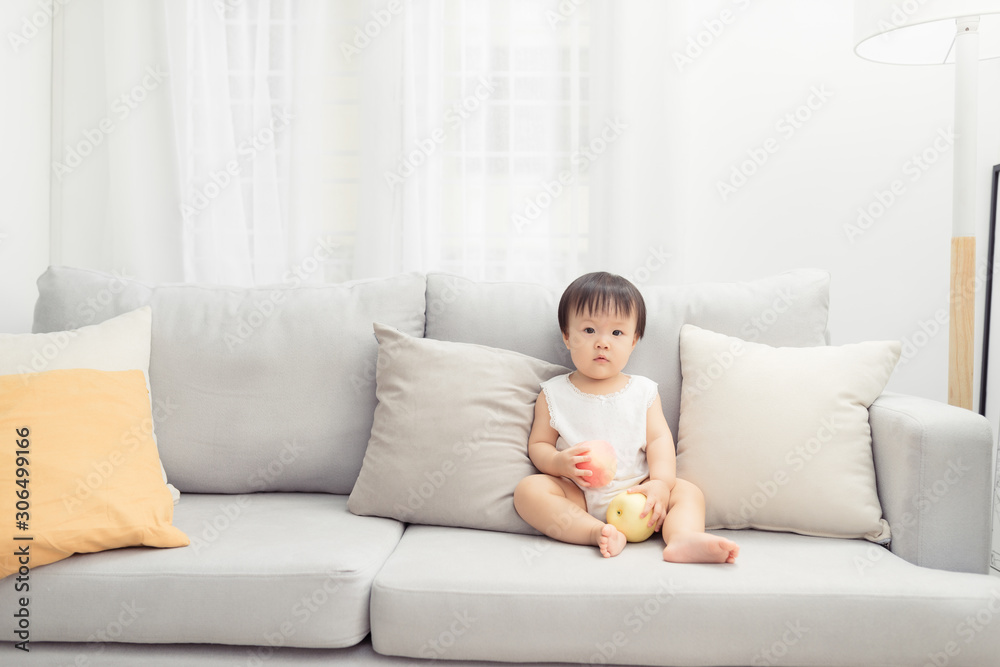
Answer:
(962, 325)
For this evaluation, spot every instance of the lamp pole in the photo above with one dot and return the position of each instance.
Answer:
(962, 292)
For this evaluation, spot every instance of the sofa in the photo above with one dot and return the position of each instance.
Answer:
(275, 396)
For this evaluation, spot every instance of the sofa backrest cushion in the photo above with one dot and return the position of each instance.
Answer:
(789, 309)
(259, 389)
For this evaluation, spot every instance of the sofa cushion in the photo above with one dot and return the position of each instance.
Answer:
(778, 438)
(461, 594)
(790, 309)
(266, 569)
(449, 442)
(270, 388)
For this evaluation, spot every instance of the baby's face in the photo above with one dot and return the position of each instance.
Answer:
(600, 343)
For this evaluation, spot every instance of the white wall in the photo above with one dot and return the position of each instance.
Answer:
(24, 162)
(890, 281)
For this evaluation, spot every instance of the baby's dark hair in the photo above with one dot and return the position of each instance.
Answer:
(602, 292)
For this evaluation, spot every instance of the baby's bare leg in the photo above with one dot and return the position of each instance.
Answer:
(684, 530)
(557, 508)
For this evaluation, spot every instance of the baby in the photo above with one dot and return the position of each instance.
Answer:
(602, 317)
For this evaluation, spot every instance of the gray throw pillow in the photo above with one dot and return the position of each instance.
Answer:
(450, 437)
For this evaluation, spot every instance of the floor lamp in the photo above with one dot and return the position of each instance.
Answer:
(959, 32)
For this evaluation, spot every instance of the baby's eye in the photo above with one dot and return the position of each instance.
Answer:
(589, 330)
(617, 332)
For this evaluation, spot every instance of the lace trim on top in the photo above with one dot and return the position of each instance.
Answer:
(602, 397)
(548, 404)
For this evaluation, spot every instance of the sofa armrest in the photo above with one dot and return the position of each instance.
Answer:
(933, 467)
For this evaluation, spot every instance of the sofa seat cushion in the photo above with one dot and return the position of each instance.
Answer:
(270, 569)
(461, 594)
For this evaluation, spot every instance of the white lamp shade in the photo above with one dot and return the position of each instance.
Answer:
(921, 32)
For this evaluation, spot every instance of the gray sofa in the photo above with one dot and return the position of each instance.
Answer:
(274, 391)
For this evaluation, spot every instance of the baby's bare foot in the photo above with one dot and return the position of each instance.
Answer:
(700, 548)
(611, 541)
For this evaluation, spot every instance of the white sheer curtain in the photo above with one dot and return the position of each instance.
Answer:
(560, 163)
(113, 181)
(316, 140)
(494, 100)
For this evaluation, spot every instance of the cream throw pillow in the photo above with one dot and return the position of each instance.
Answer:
(778, 438)
(118, 344)
(450, 437)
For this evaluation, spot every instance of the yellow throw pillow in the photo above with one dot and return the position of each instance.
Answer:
(79, 470)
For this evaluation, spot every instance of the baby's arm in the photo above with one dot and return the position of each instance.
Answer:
(660, 452)
(662, 460)
(542, 448)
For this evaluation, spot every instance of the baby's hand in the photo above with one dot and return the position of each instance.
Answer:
(657, 494)
(567, 460)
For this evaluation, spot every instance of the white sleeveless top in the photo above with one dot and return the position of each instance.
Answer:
(619, 418)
